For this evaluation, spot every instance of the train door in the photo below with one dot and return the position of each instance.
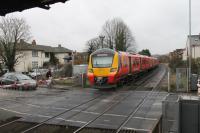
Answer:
(138, 64)
(134, 64)
(130, 64)
(119, 63)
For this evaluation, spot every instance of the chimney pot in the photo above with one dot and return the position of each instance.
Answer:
(59, 45)
(33, 42)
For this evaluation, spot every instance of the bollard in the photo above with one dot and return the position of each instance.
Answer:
(198, 85)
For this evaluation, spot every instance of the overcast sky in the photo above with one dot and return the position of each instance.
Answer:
(158, 25)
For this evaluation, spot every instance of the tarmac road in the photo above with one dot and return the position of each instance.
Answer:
(37, 106)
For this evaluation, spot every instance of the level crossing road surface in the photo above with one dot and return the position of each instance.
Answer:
(84, 105)
(45, 103)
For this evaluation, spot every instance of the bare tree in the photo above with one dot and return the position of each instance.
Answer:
(12, 30)
(118, 35)
(92, 45)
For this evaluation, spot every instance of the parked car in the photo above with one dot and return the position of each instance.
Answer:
(20, 80)
(3, 71)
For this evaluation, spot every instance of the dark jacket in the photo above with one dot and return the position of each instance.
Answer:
(48, 74)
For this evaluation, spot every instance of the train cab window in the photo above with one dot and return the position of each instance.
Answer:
(102, 60)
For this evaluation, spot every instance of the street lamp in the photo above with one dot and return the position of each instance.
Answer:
(101, 38)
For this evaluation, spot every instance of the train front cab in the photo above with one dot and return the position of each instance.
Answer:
(103, 68)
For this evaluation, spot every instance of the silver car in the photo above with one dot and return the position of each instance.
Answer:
(18, 80)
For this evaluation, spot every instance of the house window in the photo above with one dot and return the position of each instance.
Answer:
(34, 53)
(46, 55)
(34, 64)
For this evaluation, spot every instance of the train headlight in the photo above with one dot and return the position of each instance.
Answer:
(113, 69)
(90, 70)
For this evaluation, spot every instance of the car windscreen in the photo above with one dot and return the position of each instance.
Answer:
(102, 60)
(22, 77)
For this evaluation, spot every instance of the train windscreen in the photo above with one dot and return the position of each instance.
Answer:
(102, 60)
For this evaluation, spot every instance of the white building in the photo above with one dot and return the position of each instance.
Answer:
(34, 56)
(195, 47)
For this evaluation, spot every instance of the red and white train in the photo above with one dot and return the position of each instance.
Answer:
(108, 68)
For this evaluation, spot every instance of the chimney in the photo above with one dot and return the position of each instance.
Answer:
(33, 42)
(59, 45)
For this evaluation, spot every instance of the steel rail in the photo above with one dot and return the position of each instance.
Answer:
(79, 111)
(106, 110)
(43, 122)
(134, 112)
(141, 80)
(139, 106)
(8, 123)
(55, 116)
(109, 107)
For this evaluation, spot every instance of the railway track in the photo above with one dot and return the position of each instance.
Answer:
(118, 98)
(120, 128)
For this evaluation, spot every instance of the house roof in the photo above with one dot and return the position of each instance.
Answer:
(8, 6)
(59, 49)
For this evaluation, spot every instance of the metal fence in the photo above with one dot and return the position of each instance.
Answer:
(78, 69)
(170, 111)
(182, 75)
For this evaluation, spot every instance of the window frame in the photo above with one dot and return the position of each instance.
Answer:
(34, 53)
(103, 67)
(33, 64)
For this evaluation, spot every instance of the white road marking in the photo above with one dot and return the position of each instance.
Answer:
(21, 113)
(136, 129)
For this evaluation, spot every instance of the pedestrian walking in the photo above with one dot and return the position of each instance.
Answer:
(49, 78)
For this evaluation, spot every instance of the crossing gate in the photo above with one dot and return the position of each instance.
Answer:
(182, 75)
(181, 114)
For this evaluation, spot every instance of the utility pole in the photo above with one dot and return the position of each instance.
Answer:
(101, 38)
(190, 48)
